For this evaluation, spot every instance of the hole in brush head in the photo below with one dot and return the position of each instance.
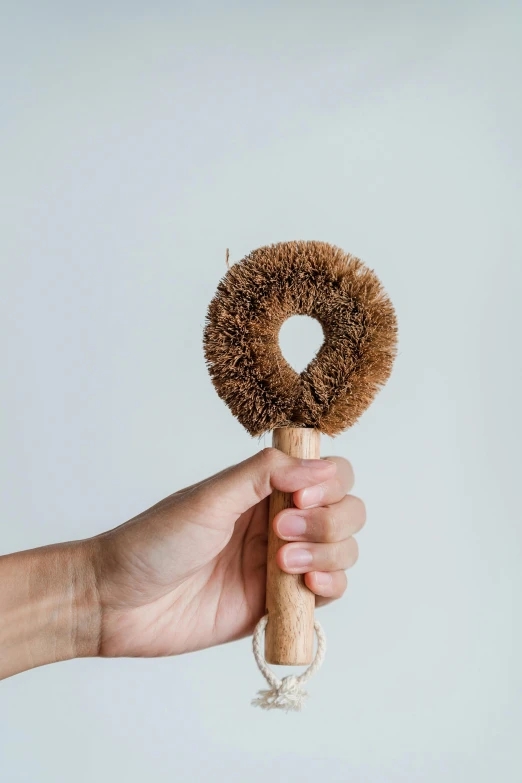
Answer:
(300, 338)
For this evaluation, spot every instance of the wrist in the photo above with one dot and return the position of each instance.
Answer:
(49, 609)
(85, 618)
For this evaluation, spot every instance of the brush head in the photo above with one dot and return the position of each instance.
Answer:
(241, 338)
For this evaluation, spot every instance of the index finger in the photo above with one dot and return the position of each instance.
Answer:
(331, 490)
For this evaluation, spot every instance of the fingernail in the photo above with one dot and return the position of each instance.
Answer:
(295, 558)
(291, 525)
(315, 464)
(312, 496)
(323, 579)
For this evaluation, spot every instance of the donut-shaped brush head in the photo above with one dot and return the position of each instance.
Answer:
(241, 338)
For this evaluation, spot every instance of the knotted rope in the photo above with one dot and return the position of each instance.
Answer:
(287, 694)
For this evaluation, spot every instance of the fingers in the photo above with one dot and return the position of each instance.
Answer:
(302, 557)
(326, 524)
(330, 490)
(326, 585)
(242, 486)
(320, 529)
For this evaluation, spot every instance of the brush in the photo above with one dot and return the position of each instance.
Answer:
(249, 372)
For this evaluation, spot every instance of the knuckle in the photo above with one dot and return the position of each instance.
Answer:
(361, 511)
(348, 465)
(268, 455)
(341, 460)
(348, 473)
(354, 551)
(262, 467)
(330, 526)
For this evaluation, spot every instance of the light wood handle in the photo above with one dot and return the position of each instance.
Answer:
(289, 635)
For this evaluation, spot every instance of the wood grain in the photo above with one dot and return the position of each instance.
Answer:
(289, 636)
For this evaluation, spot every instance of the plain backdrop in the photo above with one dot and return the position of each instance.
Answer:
(138, 142)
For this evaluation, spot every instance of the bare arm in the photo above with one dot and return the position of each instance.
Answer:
(48, 607)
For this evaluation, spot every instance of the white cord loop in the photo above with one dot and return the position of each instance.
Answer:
(287, 694)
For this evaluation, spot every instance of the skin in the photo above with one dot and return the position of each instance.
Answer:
(186, 574)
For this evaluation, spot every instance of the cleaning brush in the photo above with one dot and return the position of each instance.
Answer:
(249, 372)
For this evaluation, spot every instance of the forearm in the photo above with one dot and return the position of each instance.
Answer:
(48, 607)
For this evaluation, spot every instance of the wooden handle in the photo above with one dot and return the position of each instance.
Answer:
(289, 635)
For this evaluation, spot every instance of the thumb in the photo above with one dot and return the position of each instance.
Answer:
(238, 488)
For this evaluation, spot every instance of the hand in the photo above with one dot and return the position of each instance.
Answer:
(186, 574)
(190, 572)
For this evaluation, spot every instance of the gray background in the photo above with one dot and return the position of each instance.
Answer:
(139, 141)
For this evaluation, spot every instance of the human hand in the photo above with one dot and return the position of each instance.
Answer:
(187, 573)
(190, 572)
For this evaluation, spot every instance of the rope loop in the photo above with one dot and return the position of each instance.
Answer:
(287, 694)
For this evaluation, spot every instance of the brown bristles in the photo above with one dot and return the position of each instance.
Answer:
(241, 337)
